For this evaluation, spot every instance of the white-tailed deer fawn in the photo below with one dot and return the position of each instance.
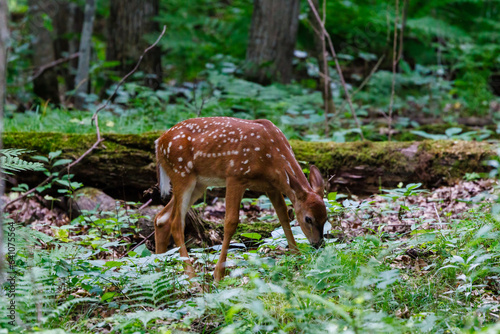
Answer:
(236, 154)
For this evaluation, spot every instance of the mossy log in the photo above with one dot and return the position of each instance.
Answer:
(124, 164)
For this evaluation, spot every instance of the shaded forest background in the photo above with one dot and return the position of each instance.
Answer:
(256, 59)
(398, 258)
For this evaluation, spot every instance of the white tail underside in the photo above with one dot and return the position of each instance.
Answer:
(163, 178)
(164, 182)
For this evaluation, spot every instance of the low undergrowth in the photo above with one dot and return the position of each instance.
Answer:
(435, 277)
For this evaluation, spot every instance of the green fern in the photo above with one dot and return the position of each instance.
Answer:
(156, 290)
(65, 308)
(144, 317)
(11, 163)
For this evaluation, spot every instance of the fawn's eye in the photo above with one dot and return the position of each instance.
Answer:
(309, 220)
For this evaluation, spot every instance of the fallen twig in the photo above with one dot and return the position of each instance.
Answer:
(140, 243)
(437, 214)
(145, 204)
(39, 71)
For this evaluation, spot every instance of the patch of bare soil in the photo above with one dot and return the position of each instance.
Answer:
(41, 214)
(248, 213)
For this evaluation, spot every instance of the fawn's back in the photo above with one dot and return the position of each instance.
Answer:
(213, 149)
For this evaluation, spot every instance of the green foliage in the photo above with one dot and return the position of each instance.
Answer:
(12, 163)
(456, 134)
(139, 109)
(450, 55)
(198, 30)
(352, 287)
(105, 231)
(367, 283)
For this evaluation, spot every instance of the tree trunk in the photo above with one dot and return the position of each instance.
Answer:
(128, 24)
(82, 74)
(321, 57)
(271, 42)
(4, 36)
(68, 24)
(125, 166)
(46, 85)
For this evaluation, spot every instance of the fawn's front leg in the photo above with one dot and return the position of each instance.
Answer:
(234, 194)
(279, 205)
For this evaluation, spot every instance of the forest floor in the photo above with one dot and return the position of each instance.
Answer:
(391, 213)
(406, 260)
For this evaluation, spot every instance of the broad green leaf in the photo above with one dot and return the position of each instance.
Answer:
(255, 236)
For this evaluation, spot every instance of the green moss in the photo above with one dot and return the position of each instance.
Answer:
(334, 156)
(74, 145)
(461, 157)
(364, 166)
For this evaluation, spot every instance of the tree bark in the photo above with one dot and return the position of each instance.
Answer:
(46, 85)
(68, 24)
(271, 41)
(4, 37)
(82, 74)
(128, 24)
(125, 167)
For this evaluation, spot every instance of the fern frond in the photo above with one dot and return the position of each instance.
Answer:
(64, 308)
(11, 163)
(430, 26)
(154, 290)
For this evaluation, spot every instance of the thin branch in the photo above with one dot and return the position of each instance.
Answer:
(339, 69)
(326, 81)
(365, 81)
(39, 71)
(95, 119)
(203, 100)
(403, 24)
(145, 204)
(395, 60)
(437, 214)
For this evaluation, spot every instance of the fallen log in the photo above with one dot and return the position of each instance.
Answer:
(124, 165)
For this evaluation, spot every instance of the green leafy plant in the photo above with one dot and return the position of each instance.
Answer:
(456, 133)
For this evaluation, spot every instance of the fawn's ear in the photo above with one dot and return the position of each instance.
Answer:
(316, 181)
(295, 185)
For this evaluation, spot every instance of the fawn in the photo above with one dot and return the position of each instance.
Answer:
(236, 154)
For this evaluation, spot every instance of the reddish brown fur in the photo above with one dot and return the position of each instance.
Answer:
(238, 154)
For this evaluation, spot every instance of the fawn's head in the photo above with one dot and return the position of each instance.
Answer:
(309, 206)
